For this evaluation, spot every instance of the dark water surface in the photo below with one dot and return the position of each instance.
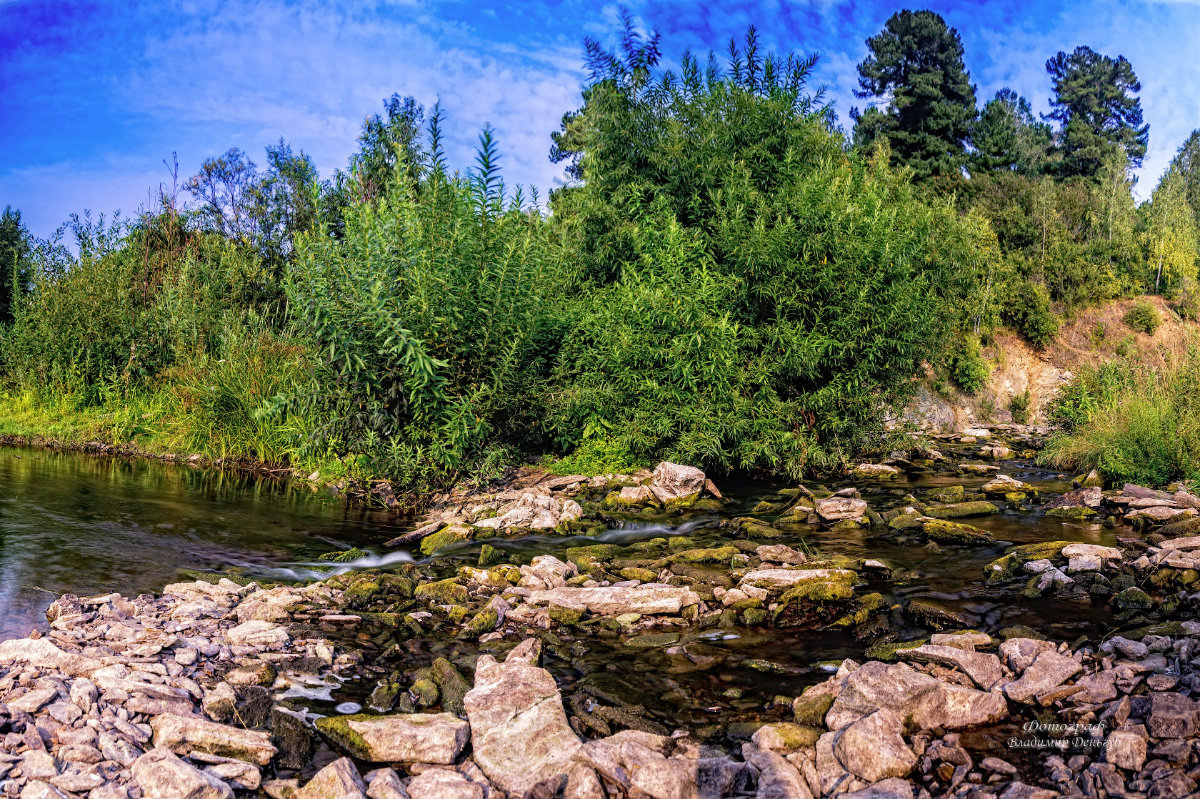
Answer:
(85, 524)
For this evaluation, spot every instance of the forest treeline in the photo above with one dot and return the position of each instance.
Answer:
(729, 279)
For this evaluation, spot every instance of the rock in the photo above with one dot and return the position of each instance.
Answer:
(519, 730)
(962, 510)
(547, 571)
(781, 553)
(532, 512)
(1048, 671)
(673, 482)
(385, 784)
(912, 696)
(983, 668)
(338, 780)
(947, 532)
(785, 737)
(1002, 484)
(44, 654)
(237, 772)
(258, 634)
(1019, 653)
(220, 702)
(184, 735)
(38, 765)
(1125, 749)
(875, 471)
(162, 775)
(837, 508)
(873, 747)
(777, 579)
(894, 788)
(1092, 551)
(293, 737)
(1171, 715)
(406, 738)
(41, 790)
(777, 778)
(1087, 497)
(1161, 513)
(34, 700)
(647, 599)
(443, 784)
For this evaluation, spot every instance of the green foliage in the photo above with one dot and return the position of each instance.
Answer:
(1029, 310)
(1008, 138)
(14, 263)
(915, 65)
(1131, 424)
(1095, 100)
(598, 453)
(432, 321)
(1018, 406)
(1143, 317)
(967, 367)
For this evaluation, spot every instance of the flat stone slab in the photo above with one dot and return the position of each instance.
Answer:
(983, 668)
(184, 735)
(647, 599)
(404, 738)
(786, 578)
(1049, 670)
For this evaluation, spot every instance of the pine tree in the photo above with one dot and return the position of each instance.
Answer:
(1095, 100)
(916, 67)
(1008, 138)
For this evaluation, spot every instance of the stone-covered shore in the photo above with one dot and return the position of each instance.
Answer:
(186, 694)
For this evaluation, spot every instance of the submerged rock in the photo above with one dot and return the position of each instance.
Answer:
(646, 599)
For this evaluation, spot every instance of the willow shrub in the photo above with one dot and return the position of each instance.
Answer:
(431, 321)
(783, 352)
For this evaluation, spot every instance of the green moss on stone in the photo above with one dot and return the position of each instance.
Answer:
(445, 592)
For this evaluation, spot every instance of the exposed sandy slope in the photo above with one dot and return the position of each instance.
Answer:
(1089, 338)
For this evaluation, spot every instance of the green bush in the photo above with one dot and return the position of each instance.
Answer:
(1018, 406)
(967, 366)
(1131, 424)
(1030, 311)
(1143, 317)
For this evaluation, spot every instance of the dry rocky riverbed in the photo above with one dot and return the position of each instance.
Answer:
(202, 691)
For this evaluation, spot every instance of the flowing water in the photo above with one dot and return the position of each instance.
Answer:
(88, 525)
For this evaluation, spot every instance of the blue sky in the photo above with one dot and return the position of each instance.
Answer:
(95, 94)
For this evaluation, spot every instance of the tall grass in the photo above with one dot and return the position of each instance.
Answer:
(1131, 424)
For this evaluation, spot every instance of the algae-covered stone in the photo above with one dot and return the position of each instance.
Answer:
(345, 556)
(404, 738)
(947, 532)
(1133, 598)
(949, 494)
(565, 614)
(709, 555)
(489, 555)
(452, 686)
(810, 707)
(888, 651)
(787, 737)
(1009, 565)
(962, 510)
(639, 574)
(593, 557)
(1079, 512)
(445, 592)
(442, 538)
(906, 521)
(424, 692)
(483, 622)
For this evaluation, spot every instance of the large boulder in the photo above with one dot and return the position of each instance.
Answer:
(186, 734)
(873, 747)
(161, 774)
(519, 730)
(404, 738)
(338, 780)
(836, 509)
(673, 482)
(915, 697)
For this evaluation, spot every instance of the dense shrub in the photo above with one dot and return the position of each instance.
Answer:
(1018, 406)
(967, 367)
(1029, 310)
(1143, 317)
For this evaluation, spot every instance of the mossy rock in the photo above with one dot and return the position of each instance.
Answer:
(424, 692)
(483, 622)
(962, 510)
(592, 557)
(638, 573)
(1008, 566)
(868, 605)
(947, 532)
(565, 615)
(362, 591)
(755, 617)
(399, 583)
(790, 737)
(1133, 598)
(452, 686)
(385, 694)
(931, 614)
(705, 555)
(1078, 512)
(845, 525)
(756, 529)
(810, 708)
(457, 614)
(441, 539)
(905, 521)
(887, 651)
(345, 556)
(680, 542)
(444, 592)
(767, 507)
(489, 555)
(949, 494)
